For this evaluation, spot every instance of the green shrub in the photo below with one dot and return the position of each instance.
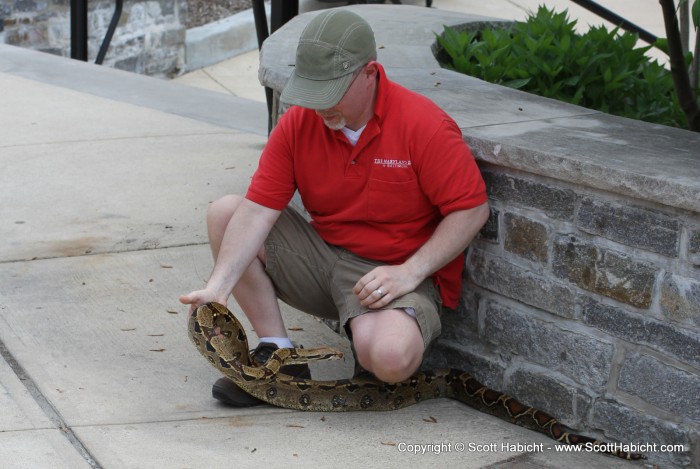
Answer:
(600, 69)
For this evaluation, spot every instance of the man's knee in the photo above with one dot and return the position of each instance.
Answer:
(222, 209)
(391, 346)
(393, 364)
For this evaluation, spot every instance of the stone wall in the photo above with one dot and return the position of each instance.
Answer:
(586, 304)
(150, 37)
(582, 293)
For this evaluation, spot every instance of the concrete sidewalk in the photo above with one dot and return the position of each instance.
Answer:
(105, 177)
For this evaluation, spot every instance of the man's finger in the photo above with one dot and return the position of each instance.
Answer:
(362, 283)
(186, 299)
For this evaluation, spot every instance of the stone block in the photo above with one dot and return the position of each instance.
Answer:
(58, 31)
(554, 202)
(628, 425)
(486, 369)
(680, 299)
(662, 385)
(4, 13)
(500, 276)
(609, 273)
(173, 37)
(462, 325)
(563, 401)
(29, 5)
(24, 31)
(632, 226)
(489, 232)
(575, 261)
(169, 7)
(681, 344)
(585, 359)
(526, 238)
(622, 278)
(144, 13)
(694, 248)
(469, 303)
(132, 63)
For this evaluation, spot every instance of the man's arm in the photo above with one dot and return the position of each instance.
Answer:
(245, 234)
(451, 237)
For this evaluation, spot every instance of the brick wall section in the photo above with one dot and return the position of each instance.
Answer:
(585, 304)
(149, 39)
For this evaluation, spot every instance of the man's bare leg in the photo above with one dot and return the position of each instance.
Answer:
(254, 292)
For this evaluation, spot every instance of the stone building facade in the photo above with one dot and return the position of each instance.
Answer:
(150, 37)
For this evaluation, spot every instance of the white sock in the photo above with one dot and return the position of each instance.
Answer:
(281, 342)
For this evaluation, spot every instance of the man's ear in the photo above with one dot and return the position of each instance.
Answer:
(372, 69)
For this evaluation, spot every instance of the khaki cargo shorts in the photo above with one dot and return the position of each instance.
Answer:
(317, 278)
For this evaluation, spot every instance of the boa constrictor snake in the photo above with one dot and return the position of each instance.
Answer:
(221, 339)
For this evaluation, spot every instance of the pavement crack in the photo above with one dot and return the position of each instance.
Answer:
(45, 405)
(228, 90)
(99, 252)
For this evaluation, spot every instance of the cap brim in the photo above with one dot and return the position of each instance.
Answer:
(315, 94)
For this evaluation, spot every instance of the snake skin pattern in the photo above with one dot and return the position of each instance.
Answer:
(221, 339)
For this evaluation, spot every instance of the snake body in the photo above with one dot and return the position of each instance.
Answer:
(221, 339)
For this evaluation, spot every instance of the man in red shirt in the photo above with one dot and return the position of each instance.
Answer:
(394, 197)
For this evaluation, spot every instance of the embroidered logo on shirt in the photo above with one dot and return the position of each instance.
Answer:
(387, 163)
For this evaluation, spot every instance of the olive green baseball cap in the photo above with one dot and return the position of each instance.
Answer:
(332, 46)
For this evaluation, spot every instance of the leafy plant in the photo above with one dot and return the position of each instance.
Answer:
(544, 55)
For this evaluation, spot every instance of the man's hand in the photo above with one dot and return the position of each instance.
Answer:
(384, 284)
(200, 297)
(452, 236)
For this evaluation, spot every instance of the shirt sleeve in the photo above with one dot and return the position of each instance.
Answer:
(447, 171)
(273, 183)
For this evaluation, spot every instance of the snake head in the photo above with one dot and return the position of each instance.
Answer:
(203, 315)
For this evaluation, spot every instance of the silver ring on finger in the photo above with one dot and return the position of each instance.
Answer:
(379, 292)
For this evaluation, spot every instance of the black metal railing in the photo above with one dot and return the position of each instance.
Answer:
(79, 30)
(110, 31)
(617, 20)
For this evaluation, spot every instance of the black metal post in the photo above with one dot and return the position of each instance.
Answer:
(281, 11)
(616, 19)
(79, 30)
(260, 21)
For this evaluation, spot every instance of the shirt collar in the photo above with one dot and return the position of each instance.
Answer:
(383, 85)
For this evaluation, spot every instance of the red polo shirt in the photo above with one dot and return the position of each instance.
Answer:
(383, 198)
